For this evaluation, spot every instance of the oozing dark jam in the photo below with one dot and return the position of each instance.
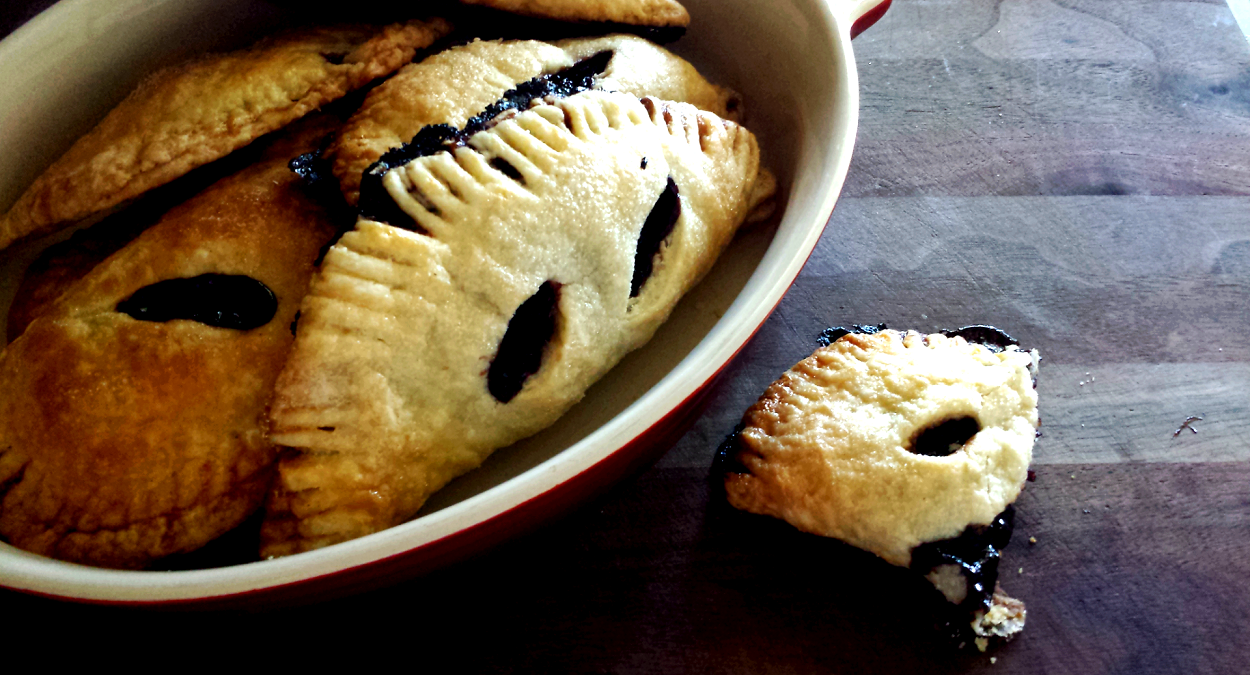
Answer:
(728, 454)
(375, 203)
(655, 230)
(993, 338)
(945, 438)
(521, 350)
(220, 300)
(832, 334)
(319, 183)
(576, 78)
(311, 167)
(975, 552)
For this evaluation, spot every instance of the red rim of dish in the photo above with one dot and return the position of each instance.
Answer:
(868, 18)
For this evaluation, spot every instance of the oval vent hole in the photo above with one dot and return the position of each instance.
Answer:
(521, 350)
(221, 300)
(945, 438)
(659, 225)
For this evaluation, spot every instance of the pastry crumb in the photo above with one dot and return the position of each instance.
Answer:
(1004, 619)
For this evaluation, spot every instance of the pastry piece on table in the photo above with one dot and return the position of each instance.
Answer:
(188, 115)
(910, 446)
(531, 257)
(459, 84)
(133, 423)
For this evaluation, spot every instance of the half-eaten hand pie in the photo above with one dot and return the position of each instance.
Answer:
(910, 446)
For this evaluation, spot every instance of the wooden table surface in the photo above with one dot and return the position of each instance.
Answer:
(1076, 172)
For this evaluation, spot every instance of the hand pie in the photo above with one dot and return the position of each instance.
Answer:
(910, 446)
(455, 85)
(532, 256)
(133, 422)
(659, 13)
(185, 116)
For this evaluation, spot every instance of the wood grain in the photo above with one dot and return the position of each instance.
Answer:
(1032, 97)
(659, 578)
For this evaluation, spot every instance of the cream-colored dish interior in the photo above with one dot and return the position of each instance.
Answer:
(789, 58)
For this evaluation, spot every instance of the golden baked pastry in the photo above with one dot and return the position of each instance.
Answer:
(133, 422)
(185, 116)
(455, 85)
(534, 254)
(636, 12)
(910, 446)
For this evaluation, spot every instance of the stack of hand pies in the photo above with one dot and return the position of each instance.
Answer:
(378, 290)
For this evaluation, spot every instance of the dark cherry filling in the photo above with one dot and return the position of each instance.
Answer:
(975, 552)
(505, 167)
(220, 300)
(655, 230)
(521, 350)
(831, 335)
(376, 204)
(576, 78)
(945, 438)
(311, 167)
(318, 182)
(994, 339)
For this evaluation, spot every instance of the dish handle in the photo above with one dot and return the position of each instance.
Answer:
(864, 13)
